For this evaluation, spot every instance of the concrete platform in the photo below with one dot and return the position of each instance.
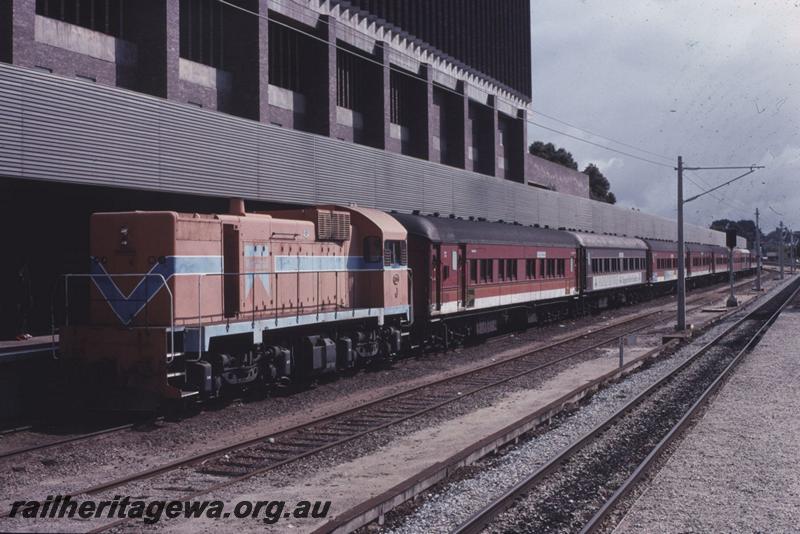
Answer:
(738, 469)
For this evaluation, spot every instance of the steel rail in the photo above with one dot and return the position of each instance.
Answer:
(72, 439)
(478, 521)
(597, 520)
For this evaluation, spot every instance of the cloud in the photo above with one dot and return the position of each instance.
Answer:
(714, 81)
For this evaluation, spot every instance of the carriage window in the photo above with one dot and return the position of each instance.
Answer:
(560, 267)
(473, 271)
(606, 265)
(511, 269)
(372, 249)
(530, 269)
(487, 270)
(501, 270)
(551, 268)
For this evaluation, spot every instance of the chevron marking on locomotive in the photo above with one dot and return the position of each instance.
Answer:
(126, 307)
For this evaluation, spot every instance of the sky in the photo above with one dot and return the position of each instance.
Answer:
(716, 81)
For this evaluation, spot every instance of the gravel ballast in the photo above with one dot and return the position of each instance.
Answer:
(737, 470)
(452, 504)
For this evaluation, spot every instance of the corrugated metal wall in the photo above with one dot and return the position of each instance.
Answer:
(66, 130)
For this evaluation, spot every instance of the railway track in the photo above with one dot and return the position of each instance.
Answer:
(699, 300)
(577, 489)
(213, 470)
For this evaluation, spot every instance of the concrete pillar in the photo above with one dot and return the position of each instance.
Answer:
(172, 52)
(426, 128)
(466, 126)
(20, 16)
(494, 145)
(522, 116)
(263, 61)
(329, 123)
(389, 143)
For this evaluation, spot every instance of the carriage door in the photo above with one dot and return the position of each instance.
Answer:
(436, 276)
(230, 266)
(460, 266)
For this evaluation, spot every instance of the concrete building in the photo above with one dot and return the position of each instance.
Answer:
(425, 78)
(180, 104)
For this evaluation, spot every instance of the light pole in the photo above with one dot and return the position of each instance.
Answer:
(681, 287)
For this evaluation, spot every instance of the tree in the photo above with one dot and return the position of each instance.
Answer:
(549, 152)
(599, 186)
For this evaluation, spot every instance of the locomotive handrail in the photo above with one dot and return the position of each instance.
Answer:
(145, 276)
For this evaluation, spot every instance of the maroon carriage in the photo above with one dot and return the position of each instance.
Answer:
(465, 271)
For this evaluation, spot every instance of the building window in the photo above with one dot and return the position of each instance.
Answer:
(104, 16)
(202, 31)
(400, 90)
(285, 58)
(350, 81)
